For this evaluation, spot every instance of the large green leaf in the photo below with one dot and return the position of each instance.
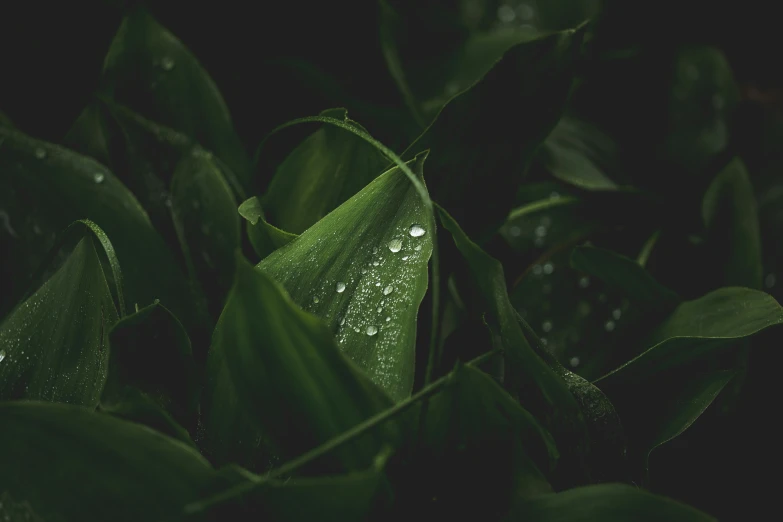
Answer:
(605, 502)
(54, 345)
(698, 327)
(264, 238)
(325, 170)
(275, 371)
(363, 269)
(43, 188)
(151, 367)
(476, 164)
(70, 464)
(149, 70)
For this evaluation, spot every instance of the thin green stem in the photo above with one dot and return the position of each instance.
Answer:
(538, 206)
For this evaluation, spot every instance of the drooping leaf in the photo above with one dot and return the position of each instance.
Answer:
(151, 362)
(149, 70)
(204, 212)
(54, 345)
(274, 371)
(605, 502)
(363, 269)
(696, 328)
(264, 238)
(44, 188)
(624, 274)
(68, 463)
(324, 171)
(729, 213)
(476, 164)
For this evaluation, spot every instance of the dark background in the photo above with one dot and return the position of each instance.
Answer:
(50, 64)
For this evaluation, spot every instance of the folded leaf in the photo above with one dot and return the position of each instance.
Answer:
(274, 371)
(363, 269)
(53, 346)
(70, 464)
(264, 238)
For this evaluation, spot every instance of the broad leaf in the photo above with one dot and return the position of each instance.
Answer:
(44, 188)
(324, 171)
(275, 371)
(149, 70)
(264, 238)
(624, 274)
(605, 502)
(54, 345)
(70, 464)
(363, 269)
(476, 164)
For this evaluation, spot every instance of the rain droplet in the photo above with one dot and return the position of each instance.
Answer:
(584, 282)
(378, 283)
(372, 330)
(340, 287)
(616, 313)
(98, 177)
(417, 248)
(167, 63)
(540, 231)
(537, 269)
(547, 326)
(375, 263)
(316, 300)
(356, 330)
(609, 326)
(416, 231)
(405, 258)
(40, 153)
(2, 355)
(388, 319)
(395, 245)
(342, 321)
(380, 309)
(549, 268)
(389, 289)
(574, 362)
(364, 270)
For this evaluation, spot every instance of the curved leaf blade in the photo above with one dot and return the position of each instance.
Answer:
(264, 238)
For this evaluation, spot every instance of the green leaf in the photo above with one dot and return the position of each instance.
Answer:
(204, 212)
(698, 327)
(68, 463)
(580, 154)
(264, 238)
(54, 345)
(729, 213)
(149, 70)
(605, 502)
(44, 188)
(274, 371)
(626, 275)
(151, 359)
(477, 164)
(324, 171)
(363, 269)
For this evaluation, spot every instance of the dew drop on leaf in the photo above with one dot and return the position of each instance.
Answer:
(547, 326)
(389, 289)
(315, 299)
(574, 362)
(418, 248)
(98, 177)
(372, 330)
(609, 326)
(549, 268)
(342, 321)
(167, 63)
(40, 153)
(395, 245)
(340, 287)
(616, 313)
(2, 355)
(388, 319)
(416, 231)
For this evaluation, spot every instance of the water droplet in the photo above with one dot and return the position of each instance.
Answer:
(2, 355)
(417, 248)
(549, 268)
(356, 330)
(540, 231)
(574, 362)
(515, 231)
(506, 14)
(98, 177)
(609, 326)
(616, 313)
(342, 321)
(40, 153)
(389, 289)
(340, 287)
(544, 341)
(405, 258)
(316, 300)
(547, 326)
(167, 63)
(378, 283)
(380, 309)
(372, 330)
(770, 280)
(395, 245)
(375, 263)
(584, 282)
(364, 270)
(388, 319)
(416, 231)
(537, 269)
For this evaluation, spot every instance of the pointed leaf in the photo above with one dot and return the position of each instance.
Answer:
(275, 366)
(54, 345)
(325, 170)
(149, 70)
(264, 238)
(68, 463)
(605, 502)
(363, 269)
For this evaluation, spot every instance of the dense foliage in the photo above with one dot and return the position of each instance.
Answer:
(468, 292)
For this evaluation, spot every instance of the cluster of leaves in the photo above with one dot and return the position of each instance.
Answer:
(150, 371)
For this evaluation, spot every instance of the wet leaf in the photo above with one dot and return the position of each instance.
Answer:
(363, 269)
(264, 238)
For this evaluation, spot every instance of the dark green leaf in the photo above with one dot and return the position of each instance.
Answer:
(476, 164)
(149, 70)
(363, 269)
(624, 274)
(279, 368)
(324, 171)
(68, 463)
(264, 238)
(54, 345)
(605, 502)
